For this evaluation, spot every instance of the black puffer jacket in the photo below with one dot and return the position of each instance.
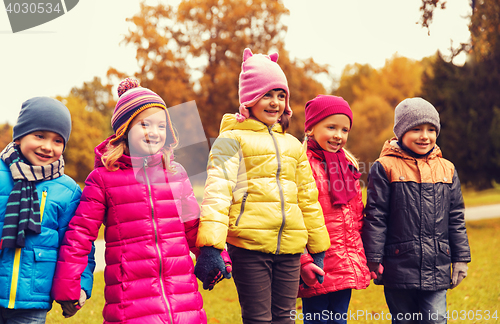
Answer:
(414, 221)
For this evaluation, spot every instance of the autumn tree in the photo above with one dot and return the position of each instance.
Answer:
(88, 130)
(373, 94)
(5, 135)
(194, 52)
(97, 96)
(468, 100)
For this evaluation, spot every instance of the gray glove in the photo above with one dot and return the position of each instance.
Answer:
(459, 273)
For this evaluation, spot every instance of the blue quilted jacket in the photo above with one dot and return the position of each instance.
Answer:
(26, 274)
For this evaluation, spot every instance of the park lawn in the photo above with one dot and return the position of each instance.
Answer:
(474, 198)
(480, 291)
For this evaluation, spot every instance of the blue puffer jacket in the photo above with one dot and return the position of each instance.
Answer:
(26, 274)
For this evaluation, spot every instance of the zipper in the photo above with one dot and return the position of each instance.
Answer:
(156, 241)
(242, 208)
(17, 260)
(42, 205)
(278, 172)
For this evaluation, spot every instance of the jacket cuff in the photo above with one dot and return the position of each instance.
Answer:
(305, 259)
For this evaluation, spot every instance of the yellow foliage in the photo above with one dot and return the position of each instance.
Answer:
(373, 95)
(194, 52)
(88, 130)
(372, 126)
(5, 135)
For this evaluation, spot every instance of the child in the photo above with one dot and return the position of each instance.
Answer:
(37, 201)
(414, 221)
(328, 120)
(260, 197)
(147, 204)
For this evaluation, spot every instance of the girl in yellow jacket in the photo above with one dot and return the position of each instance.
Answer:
(261, 198)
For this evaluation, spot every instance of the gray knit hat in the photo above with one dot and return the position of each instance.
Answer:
(412, 112)
(43, 114)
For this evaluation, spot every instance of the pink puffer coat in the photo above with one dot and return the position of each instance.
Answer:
(151, 220)
(345, 261)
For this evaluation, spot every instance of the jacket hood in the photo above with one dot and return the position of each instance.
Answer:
(229, 122)
(124, 161)
(392, 148)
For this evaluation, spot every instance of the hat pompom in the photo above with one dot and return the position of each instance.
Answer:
(127, 84)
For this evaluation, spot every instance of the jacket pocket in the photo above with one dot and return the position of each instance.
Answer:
(443, 262)
(445, 248)
(242, 210)
(398, 249)
(401, 264)
(43, 269)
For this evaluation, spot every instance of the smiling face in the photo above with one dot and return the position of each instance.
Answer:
(148, 132)
(41, 147)
(270, 107)
(420, 139)
(331, 132)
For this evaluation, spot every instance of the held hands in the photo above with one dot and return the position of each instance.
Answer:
(318, 260)
(311, 271)
(70, 307)
(376, 270)
(212, 266)
(459, 273)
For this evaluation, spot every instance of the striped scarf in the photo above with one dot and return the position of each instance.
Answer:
(23, 207)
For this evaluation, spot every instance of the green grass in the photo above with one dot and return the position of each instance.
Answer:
(479, 291)
(474, 198)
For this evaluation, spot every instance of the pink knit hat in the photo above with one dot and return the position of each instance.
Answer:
(323, 106)
(260, 74)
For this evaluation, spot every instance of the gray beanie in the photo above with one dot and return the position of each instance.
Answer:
(413, 112)
(43, 114)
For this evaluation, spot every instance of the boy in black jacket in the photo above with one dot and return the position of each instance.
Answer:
(414, 223)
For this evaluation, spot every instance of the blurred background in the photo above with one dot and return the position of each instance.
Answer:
(191, 51)
(372, 53)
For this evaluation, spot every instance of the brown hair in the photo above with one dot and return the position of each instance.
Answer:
(284, 121)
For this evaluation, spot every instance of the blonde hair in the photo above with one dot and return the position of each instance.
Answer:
(349, 156)
(115, 151)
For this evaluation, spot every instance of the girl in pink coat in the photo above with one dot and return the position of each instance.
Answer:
(328, 120)
(147, 204)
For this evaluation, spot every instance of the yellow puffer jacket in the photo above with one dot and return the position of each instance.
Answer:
(260, 193)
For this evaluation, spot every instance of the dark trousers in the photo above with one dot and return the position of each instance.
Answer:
(22, 316)
(329, 308)
(267, 285)
(412, 306)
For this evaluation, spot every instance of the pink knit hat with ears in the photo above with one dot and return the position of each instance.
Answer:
(260, 74)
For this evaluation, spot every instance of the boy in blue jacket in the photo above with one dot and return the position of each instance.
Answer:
(414, 223)
(37, 201)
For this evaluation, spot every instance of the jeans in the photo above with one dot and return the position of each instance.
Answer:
(22, 316)
(330, 308)
(410, 306)
(267, 285)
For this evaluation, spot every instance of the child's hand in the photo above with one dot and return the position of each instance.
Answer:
(459, 273)
(211, 268)
(70, 307)
(318, 259)
(309, 273)
(376, 270)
